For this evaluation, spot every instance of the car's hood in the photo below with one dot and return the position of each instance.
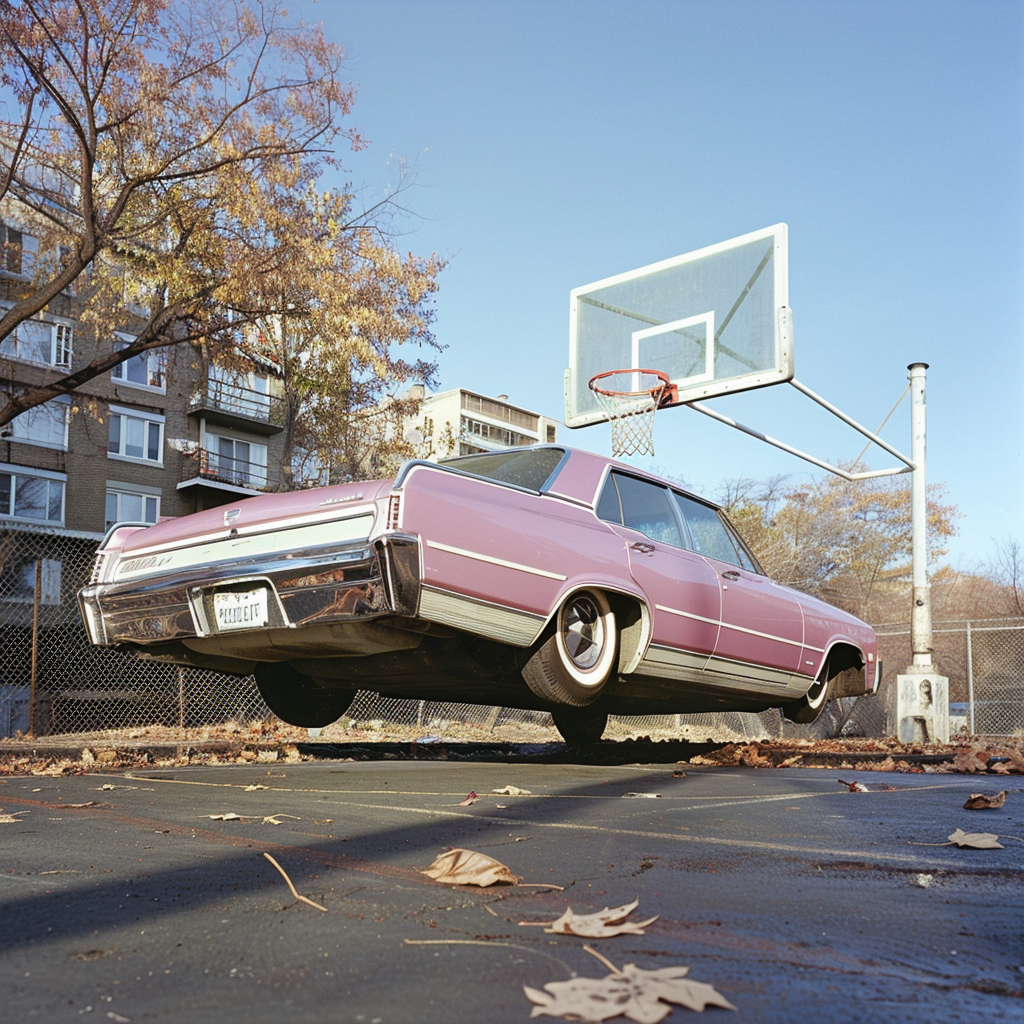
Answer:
(267, 511)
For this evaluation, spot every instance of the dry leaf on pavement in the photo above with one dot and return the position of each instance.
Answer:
(10, 819)
(602, 925)
(465, 867)
(985, 801)
(512, 791)
(230, 816)
(866, 787)
(977, 840)
(642, 996)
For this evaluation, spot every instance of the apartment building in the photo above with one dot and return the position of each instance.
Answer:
(462, 422)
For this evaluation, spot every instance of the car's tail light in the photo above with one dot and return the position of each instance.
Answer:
(394, 511)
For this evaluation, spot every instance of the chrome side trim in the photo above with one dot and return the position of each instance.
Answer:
(477, 556)
(739, 629)
(668, 663)
(497, 622)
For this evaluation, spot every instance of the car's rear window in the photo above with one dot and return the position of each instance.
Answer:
(529, 467)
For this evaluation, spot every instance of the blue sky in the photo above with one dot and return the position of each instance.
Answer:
(557, 143)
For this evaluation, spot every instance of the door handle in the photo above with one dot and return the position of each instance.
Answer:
(644, 549)
(730, 575)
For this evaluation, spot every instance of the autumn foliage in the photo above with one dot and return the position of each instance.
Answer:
(173, 162)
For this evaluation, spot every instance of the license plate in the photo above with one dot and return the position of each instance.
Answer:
(244, 610)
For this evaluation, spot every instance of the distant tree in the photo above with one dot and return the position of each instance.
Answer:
(848, 542)
(1006, 568)
(165, 159)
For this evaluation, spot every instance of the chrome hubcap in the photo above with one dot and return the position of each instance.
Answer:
(583, 633)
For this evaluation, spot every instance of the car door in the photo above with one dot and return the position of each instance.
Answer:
(681, 587)
(762, 624)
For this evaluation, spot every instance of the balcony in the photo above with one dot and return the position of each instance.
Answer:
(218, 472)
(243, 408)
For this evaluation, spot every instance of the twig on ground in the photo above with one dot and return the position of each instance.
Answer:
(295, 892)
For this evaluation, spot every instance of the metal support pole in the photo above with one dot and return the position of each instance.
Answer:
(970, 681)
(34, 664)
(921, 611)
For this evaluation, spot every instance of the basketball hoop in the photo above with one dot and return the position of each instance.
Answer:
(630, 408)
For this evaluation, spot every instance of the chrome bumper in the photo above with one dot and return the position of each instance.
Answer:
(360, 580)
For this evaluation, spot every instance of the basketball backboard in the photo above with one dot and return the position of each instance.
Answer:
(715, 320)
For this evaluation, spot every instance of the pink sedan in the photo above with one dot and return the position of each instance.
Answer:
(545, 578)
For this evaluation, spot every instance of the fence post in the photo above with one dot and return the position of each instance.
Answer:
(37, 593)
(970, 681)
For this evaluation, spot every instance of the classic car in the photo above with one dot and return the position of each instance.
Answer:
(546, 578)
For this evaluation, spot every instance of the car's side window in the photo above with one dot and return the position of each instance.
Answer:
(640, 505)
(710, 535)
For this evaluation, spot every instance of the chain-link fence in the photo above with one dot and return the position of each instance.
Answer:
(54, 682)
(984, 663)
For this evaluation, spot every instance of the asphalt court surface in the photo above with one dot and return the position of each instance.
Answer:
(797, 899)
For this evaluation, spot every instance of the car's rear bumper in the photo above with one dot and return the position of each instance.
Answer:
(356, 581)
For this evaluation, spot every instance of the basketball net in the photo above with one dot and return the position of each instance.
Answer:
(630, 398)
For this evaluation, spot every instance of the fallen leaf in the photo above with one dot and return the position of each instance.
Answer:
(230, 816)
(976, 840)
(10, 819)
(512, 791)
(471, 798)
(867, 787)
(923, 881)
(641, 796)
(985, 801)
(854, 787)
(603, 925)
(271, 819)
(255, 788)
(642, 996)
(465, 867)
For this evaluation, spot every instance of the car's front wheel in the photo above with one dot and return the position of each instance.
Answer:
(578, 655)
(296, 699)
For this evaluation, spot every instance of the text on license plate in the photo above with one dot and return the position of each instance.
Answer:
(244, 610)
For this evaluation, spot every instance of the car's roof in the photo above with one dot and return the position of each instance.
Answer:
(583, 472)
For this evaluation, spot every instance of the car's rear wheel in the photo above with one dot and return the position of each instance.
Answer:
(580, 727)
(578, 654)
(296, 699)
(810, 706)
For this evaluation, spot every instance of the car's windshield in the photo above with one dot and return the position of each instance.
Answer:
(524, 467)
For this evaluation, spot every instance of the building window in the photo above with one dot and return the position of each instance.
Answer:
(40, 341)
(498, 435)
(32, 494)
(146, 370)
(136, 435)
(45, 425)
(238, 462)
(21, 585)
(499, 411)
(131, 505)
(17, 251)
(550, 432)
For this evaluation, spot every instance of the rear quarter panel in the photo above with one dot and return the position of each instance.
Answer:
(505, 546)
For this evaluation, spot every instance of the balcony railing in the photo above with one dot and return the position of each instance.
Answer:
(235, 400)
(214, 466)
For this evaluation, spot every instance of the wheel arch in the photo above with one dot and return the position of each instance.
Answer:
(632, 616)
(844, 668)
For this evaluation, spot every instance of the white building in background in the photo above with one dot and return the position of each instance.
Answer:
(461, 422)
